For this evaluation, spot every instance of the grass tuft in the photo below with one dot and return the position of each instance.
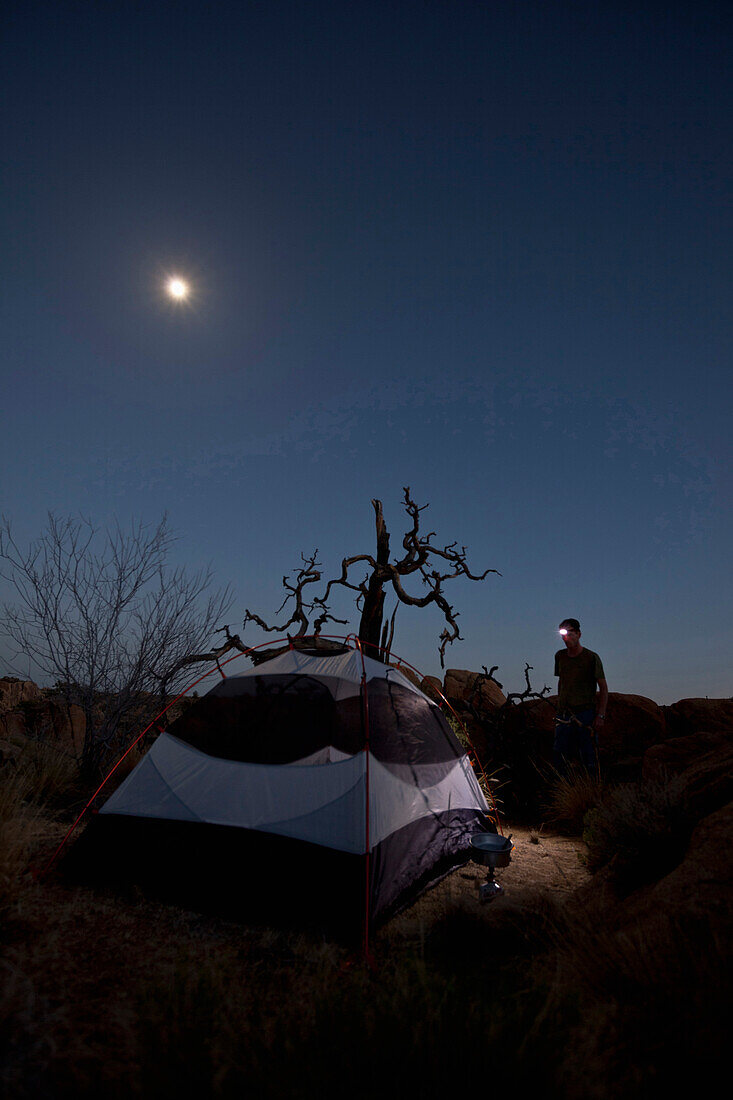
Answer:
(20, 826)
(569, 798)
(52, 775)
(103, 994)
(643, 994)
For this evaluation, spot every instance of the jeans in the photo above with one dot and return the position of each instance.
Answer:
(575, 740)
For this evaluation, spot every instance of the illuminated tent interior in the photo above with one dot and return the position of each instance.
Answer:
(323, 787)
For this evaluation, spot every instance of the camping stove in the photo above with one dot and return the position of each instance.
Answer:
(491, 851)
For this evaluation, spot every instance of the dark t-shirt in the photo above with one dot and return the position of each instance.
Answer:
(578, 678)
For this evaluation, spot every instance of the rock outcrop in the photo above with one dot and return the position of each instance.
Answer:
(514, 739)
(537, 715)
(464, 687)
(694, 715)
(433, 688)
(702, 765)
(633, 723)
(700, 885)
(46, 720)
(14, 692)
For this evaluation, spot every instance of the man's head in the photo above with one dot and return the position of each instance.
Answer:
(570, 631)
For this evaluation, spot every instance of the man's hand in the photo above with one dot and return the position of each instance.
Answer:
(601, 703)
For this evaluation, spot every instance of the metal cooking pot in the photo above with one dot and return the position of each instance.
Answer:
(491, 850)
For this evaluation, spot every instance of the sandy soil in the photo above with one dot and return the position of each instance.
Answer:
(540, 861)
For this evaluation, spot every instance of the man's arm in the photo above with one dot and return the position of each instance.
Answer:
(602, 703)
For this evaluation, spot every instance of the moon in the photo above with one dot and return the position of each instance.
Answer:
(177, 288)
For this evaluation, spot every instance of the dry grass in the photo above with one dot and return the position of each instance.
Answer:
(643, 996)
(132, 999)
(120, 996)
(569, 798)
(20, 826)
(490, 783)
(52, 774)
(41, 780)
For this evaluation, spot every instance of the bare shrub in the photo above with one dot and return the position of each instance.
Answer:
(104, 615)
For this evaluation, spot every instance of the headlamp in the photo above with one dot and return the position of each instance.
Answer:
(563, 630)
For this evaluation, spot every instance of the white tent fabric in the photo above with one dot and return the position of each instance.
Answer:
(273, 763)
(323, 803)
(342, 672)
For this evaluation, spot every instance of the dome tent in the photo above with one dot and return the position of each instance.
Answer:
(322, 784)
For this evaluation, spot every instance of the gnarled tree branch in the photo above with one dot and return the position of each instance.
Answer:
(435, 565)
(309, 573)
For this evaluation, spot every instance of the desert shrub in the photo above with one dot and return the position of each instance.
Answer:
(644, 993)
(410, 1027)
(40, 779)
(51, 774)
(19, 827)
(569, 798)
(638, 830)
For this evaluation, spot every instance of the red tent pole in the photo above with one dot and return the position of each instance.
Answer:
(49, 866)
(445, 703)
(367, 867)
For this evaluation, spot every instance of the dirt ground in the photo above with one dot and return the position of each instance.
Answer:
(540, 861)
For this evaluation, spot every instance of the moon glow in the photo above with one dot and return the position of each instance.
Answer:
(177, 289)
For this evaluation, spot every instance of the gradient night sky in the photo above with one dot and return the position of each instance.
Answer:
(477, 248)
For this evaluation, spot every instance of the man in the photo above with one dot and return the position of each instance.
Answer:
(580, 712)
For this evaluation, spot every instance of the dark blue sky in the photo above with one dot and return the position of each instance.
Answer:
(478, 248)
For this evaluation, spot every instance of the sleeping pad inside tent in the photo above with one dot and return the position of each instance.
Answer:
(264, 797)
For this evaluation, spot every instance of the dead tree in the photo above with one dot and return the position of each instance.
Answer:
(420, 556)
(231, 641)
(528, 693)
(474, 703)
(435, 565)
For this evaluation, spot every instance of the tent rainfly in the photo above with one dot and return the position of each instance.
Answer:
(319, 785)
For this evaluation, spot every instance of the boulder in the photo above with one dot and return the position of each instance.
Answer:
(56, 722)
(12, 735)
(408, 674)
(532, 714)
(473, 731)
(633, 723)
(12, 726)
(699, 887)
(433, 688)
(463, 686)
(13, 692)
(702, 764)
(695, 715)
(514, 744)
